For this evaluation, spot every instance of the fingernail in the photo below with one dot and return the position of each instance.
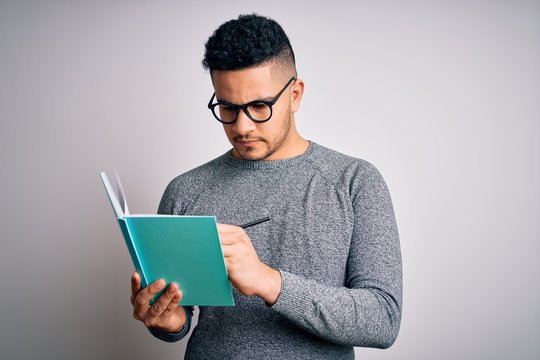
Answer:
(160, 283)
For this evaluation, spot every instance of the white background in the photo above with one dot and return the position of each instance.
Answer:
(443, 97)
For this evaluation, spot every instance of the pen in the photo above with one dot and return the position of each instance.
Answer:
(256, 222)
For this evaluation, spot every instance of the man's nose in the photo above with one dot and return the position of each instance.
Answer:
(243, 125)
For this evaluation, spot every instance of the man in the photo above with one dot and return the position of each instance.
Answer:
(324, 274)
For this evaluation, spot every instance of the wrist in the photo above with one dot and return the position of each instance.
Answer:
(174, 329)
(271, 286)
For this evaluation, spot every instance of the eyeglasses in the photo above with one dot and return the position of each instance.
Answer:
(257, 110)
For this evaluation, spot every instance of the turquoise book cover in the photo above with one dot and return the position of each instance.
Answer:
(181, 249)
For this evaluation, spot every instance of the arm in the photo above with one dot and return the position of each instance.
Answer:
(367, 310)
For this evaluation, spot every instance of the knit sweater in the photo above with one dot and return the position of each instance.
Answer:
(334, 239)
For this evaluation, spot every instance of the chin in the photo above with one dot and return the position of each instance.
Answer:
(251, 155)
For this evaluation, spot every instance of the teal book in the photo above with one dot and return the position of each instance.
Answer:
(181, 249)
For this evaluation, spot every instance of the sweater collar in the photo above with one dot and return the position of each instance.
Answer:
(230, 160)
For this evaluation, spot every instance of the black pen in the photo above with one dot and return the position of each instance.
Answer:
(256, 222)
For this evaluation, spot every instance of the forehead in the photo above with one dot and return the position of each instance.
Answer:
(242, 86)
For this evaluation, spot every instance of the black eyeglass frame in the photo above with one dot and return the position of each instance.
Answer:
(244, 107)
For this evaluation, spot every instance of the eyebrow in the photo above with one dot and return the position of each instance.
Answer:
(267, 98)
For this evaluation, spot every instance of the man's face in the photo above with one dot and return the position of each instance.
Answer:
(271, 140)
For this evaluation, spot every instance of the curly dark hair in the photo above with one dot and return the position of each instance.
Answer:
(248, 41)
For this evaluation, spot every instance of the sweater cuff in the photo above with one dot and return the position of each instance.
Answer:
(173, 337)
(294, 300)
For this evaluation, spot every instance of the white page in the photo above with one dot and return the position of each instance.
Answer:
(112, 197)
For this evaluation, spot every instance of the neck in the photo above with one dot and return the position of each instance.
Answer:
(293, 146)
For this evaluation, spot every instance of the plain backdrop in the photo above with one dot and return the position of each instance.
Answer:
(443, 97)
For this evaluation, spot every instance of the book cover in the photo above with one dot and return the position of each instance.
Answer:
(176, 248)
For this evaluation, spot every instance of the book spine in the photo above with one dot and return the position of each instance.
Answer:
(133, 251)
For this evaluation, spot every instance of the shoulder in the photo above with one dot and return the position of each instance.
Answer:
(338, 167)
(198, 174)
(357, 178)
(187, 185)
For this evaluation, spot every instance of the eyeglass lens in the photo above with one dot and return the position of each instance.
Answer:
(256, 111)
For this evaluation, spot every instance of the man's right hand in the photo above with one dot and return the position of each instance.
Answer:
(164, 313)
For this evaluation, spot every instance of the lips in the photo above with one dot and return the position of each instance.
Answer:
(248, 142)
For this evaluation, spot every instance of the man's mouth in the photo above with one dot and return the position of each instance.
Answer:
(247, 142)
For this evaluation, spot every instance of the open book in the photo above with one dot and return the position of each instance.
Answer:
(181, 249)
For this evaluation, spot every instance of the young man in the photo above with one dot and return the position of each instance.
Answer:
(324, 274)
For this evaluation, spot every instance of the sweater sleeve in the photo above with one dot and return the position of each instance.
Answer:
(366, 311)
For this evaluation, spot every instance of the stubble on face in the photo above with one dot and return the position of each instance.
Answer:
(270, 145)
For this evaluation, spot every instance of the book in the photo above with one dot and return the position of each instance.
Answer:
(177, 248)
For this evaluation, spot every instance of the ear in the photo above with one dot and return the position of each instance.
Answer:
(297, 92)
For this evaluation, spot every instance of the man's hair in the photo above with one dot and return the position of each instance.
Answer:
(249, 41)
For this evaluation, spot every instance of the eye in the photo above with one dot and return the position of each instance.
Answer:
(225, 108)
(258, 106)
(259, 111)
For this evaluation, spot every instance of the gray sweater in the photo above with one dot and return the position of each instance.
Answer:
(333, 237)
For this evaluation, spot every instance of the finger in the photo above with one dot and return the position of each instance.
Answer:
(162, 303)
(141, 303)
(145, 295)
(174, 304)
(230, 238)
(227, 239)
(135, 286)
(228, 250)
